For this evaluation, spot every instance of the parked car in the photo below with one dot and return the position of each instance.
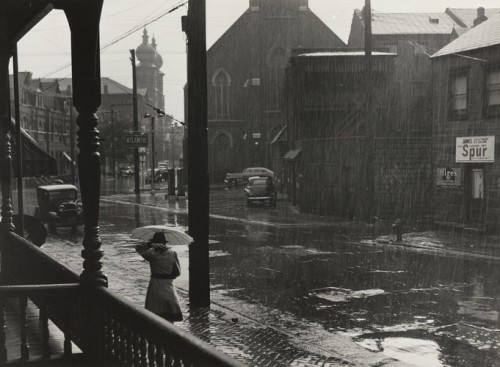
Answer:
(235, 179)
(161, 174)
(125, 171)
(58, 206)
(261, 189)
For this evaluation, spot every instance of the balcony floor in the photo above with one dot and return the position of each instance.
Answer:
(56, 339)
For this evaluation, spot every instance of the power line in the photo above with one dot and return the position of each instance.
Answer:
(126, 34)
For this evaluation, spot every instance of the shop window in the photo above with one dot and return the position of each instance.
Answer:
(458, 96)
(493, 92)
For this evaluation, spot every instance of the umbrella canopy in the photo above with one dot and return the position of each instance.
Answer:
(172, 235)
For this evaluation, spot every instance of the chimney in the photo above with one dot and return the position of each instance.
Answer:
(254, 5)
(481, 17)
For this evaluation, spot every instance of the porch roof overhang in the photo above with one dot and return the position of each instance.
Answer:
(292, 154)
(35, 161)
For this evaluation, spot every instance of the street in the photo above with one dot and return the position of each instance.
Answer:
(309, 279)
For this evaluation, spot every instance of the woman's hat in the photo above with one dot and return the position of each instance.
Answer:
(159, 237)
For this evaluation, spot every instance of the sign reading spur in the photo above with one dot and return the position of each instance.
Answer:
(472, 149)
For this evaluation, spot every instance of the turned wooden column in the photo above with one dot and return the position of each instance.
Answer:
(83, 20)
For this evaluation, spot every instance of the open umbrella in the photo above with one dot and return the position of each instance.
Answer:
(172, 235)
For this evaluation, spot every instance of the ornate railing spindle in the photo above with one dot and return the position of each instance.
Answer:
(44, 320)
(25, 349)
(144, 352)
(151, 354)
(3, 349)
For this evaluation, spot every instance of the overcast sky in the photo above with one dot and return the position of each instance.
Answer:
(45, 51)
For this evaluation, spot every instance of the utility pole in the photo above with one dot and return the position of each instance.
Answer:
(113, 153)
(370, 128)
(136, 123)
(199, 278)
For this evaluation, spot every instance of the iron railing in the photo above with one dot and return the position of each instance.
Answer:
(106, 327)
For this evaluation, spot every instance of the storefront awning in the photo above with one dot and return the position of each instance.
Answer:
(35, 161)
(291, 154)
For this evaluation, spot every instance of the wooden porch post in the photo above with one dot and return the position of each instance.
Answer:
(83, 20)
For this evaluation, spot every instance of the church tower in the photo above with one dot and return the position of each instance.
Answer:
(149, 76)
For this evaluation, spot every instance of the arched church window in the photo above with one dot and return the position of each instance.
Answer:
(221, 82)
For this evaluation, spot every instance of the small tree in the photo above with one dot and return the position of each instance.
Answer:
(114, 134)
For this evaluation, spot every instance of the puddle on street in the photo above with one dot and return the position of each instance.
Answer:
(418, 352)
(360, 289)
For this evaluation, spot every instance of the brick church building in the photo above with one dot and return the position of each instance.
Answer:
(245, 75)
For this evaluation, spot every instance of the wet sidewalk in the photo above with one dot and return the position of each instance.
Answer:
(260, 336)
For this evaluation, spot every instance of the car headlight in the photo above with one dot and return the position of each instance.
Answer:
(79, 207)
(61, 207)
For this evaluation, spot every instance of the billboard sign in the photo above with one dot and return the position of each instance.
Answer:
(474, 149)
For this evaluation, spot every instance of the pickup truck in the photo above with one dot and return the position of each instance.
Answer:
(235, 179)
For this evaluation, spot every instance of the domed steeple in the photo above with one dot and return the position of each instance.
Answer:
(158, 58)
(146, 53)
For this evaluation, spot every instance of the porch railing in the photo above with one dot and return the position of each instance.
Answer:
(106, 327)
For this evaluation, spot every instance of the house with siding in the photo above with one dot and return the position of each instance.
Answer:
(342, 159)
(466, 129)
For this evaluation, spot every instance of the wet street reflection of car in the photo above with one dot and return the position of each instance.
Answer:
(261, 190)
(58, 206)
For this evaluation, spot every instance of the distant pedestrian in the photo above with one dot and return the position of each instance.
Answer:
(161, 297)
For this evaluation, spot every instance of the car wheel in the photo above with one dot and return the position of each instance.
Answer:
(52, 227)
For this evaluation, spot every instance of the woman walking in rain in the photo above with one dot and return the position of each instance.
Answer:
(161, 297)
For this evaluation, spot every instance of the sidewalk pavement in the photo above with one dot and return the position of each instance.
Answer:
(258, 336)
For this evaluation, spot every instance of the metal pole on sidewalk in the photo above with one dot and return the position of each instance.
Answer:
(152, 155)
(113, 152)
(136, 123)
(199, 278)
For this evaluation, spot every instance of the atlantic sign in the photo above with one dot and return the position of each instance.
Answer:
(136, 140)
(473, 149)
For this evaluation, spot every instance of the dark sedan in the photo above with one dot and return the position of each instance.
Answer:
(261, 190)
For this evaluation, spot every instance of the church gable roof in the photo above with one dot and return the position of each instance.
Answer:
(244, 24)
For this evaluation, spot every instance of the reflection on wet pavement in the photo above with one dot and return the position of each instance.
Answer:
(399, 303)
